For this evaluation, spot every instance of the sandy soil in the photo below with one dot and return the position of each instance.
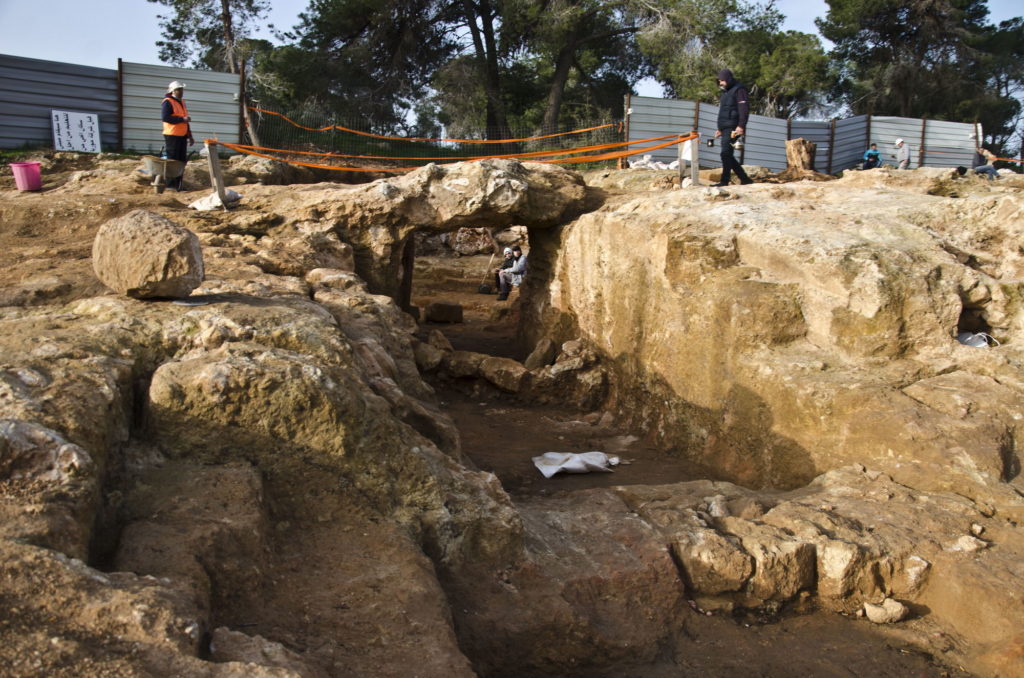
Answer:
(50, 234)
(502, 434)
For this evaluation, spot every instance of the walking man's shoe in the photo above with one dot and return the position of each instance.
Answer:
(503, 296)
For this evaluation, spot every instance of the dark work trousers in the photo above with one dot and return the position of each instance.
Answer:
(729, 162)
(177, 149)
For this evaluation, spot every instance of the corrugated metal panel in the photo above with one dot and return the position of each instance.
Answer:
(211, 99)
(946, 144)
(817, 132)
(765, 143)
(885, 130)
(652, 117)
(851, 142)
(31, 88)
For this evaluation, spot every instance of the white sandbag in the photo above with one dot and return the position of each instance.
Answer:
(551, 463)
(212, 201)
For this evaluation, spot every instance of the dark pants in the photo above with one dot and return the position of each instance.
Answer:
(729, 162)
(505, 278)
(177, 149)
(871, 164)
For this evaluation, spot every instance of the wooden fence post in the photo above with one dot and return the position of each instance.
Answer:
(623, 163)
(695, 159)
(120, 105)
(216, 177)
(831, 144)
(924, 138)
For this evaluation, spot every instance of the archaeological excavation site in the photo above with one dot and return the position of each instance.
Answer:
(297, 438)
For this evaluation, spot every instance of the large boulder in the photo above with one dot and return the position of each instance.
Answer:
(145, 255)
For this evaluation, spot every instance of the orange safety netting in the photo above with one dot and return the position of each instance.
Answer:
(456, 141)
(528, 154)
(252, 150)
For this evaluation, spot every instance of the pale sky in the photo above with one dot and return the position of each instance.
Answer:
(99, 32)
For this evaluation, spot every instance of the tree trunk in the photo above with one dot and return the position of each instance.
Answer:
(557, 90)
(800, 153)
(229, 36)
(487, 58)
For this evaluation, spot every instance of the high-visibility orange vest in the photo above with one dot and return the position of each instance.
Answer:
(177, 129)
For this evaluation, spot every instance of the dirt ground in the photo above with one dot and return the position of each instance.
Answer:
(47, 237)
(503, 434)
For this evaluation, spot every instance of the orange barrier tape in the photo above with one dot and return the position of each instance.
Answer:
(529, 154)
(621, 154)
(591, 158)
(965, 152)
(456, 141)
(236, 147)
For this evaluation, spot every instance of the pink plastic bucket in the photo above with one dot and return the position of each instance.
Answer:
(27, 176)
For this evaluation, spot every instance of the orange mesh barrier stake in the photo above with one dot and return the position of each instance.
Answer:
(456, 141)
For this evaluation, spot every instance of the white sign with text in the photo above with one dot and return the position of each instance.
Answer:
(76, 131)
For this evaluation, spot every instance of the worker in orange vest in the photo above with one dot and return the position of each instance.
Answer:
(177, 130)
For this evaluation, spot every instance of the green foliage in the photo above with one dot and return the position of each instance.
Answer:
(206, 31)
(361, 59)
(786, 72)
(927, 59)
(486, 67)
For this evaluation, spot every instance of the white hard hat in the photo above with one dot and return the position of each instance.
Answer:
(175, 85)
(898, 142)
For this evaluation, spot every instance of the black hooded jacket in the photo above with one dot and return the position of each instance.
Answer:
(733, 106)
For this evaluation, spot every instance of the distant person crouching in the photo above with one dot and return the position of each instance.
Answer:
(984, 161)
(513, 275)
(872, 158)
(507, 262)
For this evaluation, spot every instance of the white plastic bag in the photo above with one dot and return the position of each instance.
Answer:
(551, 463)
(976, 340)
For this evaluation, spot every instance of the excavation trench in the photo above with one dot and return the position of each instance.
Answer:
(502, 432)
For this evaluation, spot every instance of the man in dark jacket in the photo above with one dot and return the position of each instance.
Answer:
(733, 110)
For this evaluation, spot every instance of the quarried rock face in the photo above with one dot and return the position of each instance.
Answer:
(143, 254)
(783, 333)
(379, 219)
(775, 333)
(270, 470)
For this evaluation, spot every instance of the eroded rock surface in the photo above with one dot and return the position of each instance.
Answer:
(266, 481)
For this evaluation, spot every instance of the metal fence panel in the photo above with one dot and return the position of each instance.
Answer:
(850, 142)
(949, 143)
(31, 88)
(212, 99)
(765, 143)
(885, 130)
(817, 132)
(945, 144)
(651, 117)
